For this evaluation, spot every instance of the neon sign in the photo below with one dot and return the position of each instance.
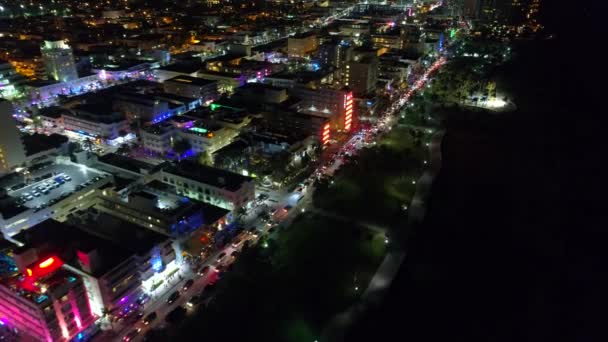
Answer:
(348, 113)
(46, 263)
(44, 267)
(325, 134)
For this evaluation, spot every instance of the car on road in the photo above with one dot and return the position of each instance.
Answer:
(131, 335)
(220, 257)
(194, 300)
(173, 297)
(188, 284)
(253, 231)
(203, 270)
(234, 254)
(36, 194)
(236, 242)
(150, 318)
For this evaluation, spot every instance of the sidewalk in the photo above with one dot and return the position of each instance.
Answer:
(382, 279)
(373, 295)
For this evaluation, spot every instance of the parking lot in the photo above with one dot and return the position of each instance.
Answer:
(59, 180)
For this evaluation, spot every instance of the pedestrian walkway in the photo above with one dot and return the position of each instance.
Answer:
(370, 226)
(382, 279)
(373, 295)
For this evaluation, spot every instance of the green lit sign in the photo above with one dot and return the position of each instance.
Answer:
(214, 106)
(198, 130)
(452, 33)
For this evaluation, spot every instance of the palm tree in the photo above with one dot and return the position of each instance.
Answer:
(180, 147)
(106, 314)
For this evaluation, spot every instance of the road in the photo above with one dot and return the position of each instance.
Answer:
(159, 303)
(277, 200)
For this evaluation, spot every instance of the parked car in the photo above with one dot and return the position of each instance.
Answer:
(194, 300)
(220, 257)
(188, 284)
(203, 270)
(131, 335)
(150, 318)
(173, 297)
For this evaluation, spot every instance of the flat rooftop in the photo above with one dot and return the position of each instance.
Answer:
(208, 175)
(36, 143)
(127, 235)
(50, 235)
(185, 68)
(125, 163)
(189, 80)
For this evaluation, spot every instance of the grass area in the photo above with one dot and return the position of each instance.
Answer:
(289, 290)
(376, 184)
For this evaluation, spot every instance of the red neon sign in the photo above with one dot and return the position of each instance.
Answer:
(325, 138)
(44, 267)
(46, 263)
(348, 113)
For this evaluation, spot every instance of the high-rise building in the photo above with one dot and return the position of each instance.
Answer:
(59, 61)
(361, 75)
(12, 152)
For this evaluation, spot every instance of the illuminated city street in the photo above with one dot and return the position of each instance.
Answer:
(173, 170)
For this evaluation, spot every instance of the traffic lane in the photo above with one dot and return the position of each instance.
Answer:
(200, 282)
(164, 309)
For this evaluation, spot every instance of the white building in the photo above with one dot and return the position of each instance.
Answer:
(59, 61)
(95, 121)
(219, 187)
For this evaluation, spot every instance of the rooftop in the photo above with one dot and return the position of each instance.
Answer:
(185, 68)
(159, 128)
(208, 175)
(49, 237)
(36, 143)
(125, 163)
(40, 83)
(128, 236)
(197, 81)
(51, 112)
(203, 130)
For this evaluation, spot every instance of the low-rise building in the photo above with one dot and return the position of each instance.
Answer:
(96, 121)
(177, 69)
(210, 185)
(302, 45)
(194, 87)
